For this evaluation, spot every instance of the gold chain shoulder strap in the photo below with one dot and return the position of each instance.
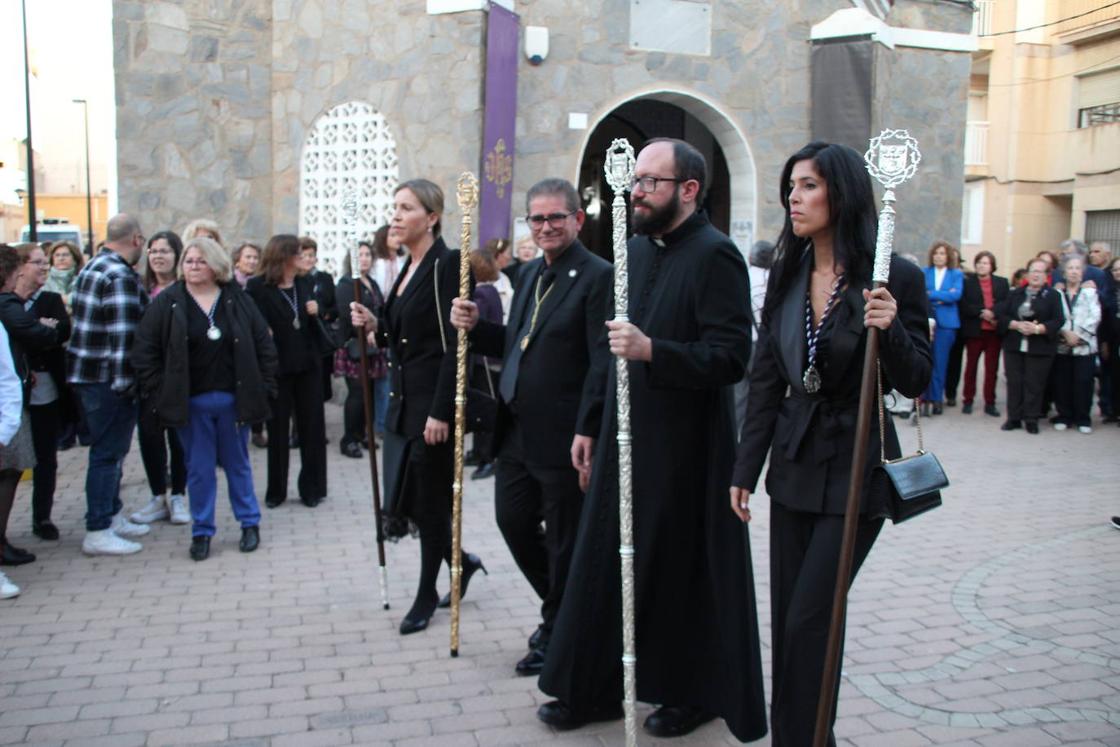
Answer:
(883, 419)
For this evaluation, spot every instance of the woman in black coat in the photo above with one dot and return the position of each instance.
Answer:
(206, 363)
(347, 360)
(51, 407)
(803, 402)
(983, 291)
(284, 296)
(416, 329)
(1029, 320)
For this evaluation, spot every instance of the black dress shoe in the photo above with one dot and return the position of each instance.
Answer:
(950, 401)
(966, 408)
(45, 530)
(250, 539)
(311, 502)
(558, 715)
(532, 664)
(351, 449)
(991, 410)
(937, 408)
(537, 639)
(1011, 425)
(483, 471)
(260, 440)
(1032, 427)
(675, 721)
(410, 625)
(471, 565)
(200, 547)
(11, 555)
(274, 502)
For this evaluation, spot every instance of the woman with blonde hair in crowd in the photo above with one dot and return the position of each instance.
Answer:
(203, 227)
(205, 359)
(160, 445)
(418, 457)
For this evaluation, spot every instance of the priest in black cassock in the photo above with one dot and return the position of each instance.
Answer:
(688, 341)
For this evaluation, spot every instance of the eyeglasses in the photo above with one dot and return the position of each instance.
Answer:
(555, 220)
(649, 183)
(195, 262)
(36, 262)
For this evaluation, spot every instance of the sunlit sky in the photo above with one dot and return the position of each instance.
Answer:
(71, 44)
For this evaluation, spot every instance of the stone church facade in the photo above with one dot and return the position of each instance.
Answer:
(261, 114)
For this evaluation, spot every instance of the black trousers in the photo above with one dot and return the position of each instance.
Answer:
(525, 495)
(804, 548)
(1027, 377)
(953, 372)
(156, 445)
(1073, 389)
(353, 411)
(299, 394)
(46, 424)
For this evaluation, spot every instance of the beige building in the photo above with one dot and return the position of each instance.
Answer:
(1042, 146)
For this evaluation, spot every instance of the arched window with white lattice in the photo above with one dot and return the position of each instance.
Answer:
(349, 150)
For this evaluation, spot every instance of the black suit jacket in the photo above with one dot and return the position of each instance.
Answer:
(562, 373)
(297, 349)
(27, 337)
(53, 359)
(810, 437)
(1047, 308)
(972, 302)
(322, 290)
(421, 366)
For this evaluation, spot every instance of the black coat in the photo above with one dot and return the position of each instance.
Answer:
(562, 372)
(159, 356)
(972, 302)
(300, 349)
(1047, 307)
(421, 366)
(323, 291)
(28, 337)
(810, 437)
(53, 359)
(695, 613)
(344, 296)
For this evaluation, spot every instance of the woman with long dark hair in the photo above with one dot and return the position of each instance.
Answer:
(803, 401)
(347, 359)
(284, 296)
(416, 328)
(160, 445)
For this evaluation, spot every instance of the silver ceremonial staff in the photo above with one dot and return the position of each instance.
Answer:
(892, 159)
(350, 212)
(619, 169)
(467, 194)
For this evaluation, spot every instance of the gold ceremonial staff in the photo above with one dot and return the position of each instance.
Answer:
(892, 159)
(619, 170)
(350, 211)
(467, 193)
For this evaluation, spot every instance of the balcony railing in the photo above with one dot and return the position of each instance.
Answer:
(982, 18)
(976, 144)
(1082, 13)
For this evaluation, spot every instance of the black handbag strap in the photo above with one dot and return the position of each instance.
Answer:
(883, 419)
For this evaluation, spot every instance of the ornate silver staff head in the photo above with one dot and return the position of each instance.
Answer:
(350, 207)
(619, 166)
(892, 159)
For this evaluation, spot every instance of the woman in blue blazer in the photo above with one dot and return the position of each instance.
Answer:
(944, 284)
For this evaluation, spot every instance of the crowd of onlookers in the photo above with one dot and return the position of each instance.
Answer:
(1055, 322)
(201, 349)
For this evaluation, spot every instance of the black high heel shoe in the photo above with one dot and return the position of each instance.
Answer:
(472, 564)
(419, 616)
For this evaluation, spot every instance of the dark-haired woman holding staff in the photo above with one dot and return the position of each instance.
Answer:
(418, 455)
(283, 296)
(803, 402)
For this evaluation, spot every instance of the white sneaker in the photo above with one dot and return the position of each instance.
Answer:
(1060, 426)
(153, 510)
(1084, 429)
(7, 588)
(106, 542)
(179, 512)
(122, 527)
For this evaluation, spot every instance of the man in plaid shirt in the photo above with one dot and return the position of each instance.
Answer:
(108, 300)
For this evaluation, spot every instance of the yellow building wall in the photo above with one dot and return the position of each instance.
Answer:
(73, 209)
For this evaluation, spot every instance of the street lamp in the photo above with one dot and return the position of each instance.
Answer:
(89, 191)
(32, 218)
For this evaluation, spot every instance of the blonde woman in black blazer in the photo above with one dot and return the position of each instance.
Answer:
(416, 330)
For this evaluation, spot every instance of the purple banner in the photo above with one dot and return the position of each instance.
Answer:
(499, 125)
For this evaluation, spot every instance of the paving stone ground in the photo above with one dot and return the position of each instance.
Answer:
(991, 621)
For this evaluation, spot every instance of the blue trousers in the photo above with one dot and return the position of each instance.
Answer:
(212, 436)
(942, 345)
(111, 419)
